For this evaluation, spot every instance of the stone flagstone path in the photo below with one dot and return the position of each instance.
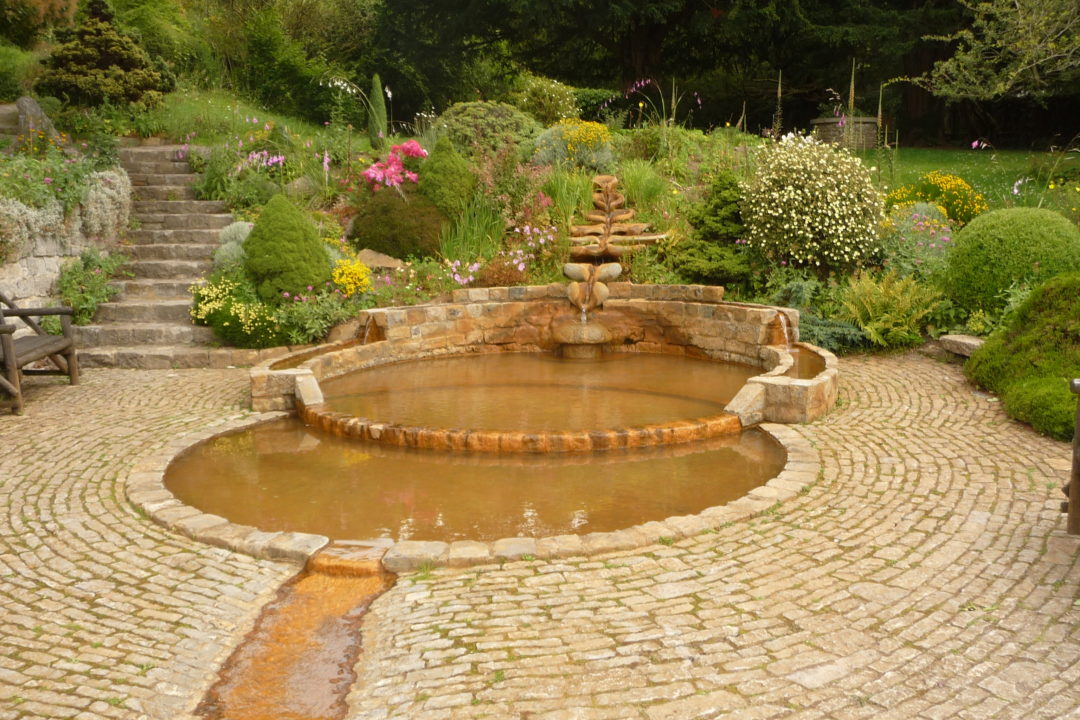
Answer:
(926, 575)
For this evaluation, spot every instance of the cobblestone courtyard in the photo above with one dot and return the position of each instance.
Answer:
(925, 575)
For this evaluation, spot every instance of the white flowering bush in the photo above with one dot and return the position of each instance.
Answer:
(812, 205)
(107, 204)
(547, 100)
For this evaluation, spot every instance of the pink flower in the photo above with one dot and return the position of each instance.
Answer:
(974, 144)
(47, 180)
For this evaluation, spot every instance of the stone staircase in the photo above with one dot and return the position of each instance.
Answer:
(9, 123)
(148, 325)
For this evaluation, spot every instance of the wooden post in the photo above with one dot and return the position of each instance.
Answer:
(1074, 483)
(1074, 517)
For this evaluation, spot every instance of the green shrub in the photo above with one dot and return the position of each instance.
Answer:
(1044, 403)
(890, 310)
(84, 283)
(446, 179)
(812, 205)
(101, 64)
(1040, 341)
(15, 68)
(483, 128)
(571, 193)
(593, 102)
(1006, 247)
(547, 100)
(814, 300)
(378, 130)
(576, 143)
(400, 225)
(308, 318)
(716, 253)
(283, 253)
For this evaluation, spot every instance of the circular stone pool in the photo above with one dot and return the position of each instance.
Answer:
(284, 476)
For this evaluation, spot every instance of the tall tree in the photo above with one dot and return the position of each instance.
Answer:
(1013, 49)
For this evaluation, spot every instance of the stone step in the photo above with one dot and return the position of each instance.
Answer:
(200, 236)
(169, 269)
(144, 311)
(163, 192)
(177, 289)
(172, 251)
(161, 179)
(176, 207)
(187, 221)
(168, 167)
(164, 357)
(135, 334)
(154, 153)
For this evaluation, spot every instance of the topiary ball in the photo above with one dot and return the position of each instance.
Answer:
(485, 128)
(999, 248)
(283, 253)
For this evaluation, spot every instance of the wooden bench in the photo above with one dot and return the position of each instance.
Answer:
(18, 352)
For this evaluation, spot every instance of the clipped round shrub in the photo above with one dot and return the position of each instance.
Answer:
(1003, 247)
(283, 253)
(812, 205)
(1030, 359)
(446, 179)
(101, 64)
(485, 128)
(547, 100)
(950, 192)
(579, 143)
(396, 225)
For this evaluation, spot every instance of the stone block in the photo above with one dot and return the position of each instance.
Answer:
(294, 546)
(513, 548)
(411, 555)
(559, 546)
(465, 553)
(963, 345)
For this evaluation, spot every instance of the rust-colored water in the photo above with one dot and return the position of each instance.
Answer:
(284, 476)
(807, 365)
(531, 392)
(297, 664)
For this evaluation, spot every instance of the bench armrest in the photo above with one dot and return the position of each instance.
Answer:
(37, 312)
(6, 329)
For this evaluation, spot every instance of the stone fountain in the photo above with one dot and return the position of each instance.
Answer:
(596, 248)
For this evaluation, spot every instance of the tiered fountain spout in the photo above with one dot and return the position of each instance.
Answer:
(596, 248)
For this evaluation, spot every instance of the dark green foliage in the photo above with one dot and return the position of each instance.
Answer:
(100, 64)
(717, 218)
(84, 283)
(398, 226)
(1038, 350)
(14, 66)
(483, 128)
(713, 255)
(1005, 247)
(283, 253)
(834, 335)
(591, 102)
(1045, 403)
(279, 73)
(711, 263)
(22, 22)
(816, 305)
(378, 131)
(446, 179)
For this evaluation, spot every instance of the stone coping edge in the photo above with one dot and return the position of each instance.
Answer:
(145, 489)
(505, 441)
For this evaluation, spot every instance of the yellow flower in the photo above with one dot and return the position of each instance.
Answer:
(1052, 186)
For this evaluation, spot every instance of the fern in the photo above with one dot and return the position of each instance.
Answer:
(891, 310)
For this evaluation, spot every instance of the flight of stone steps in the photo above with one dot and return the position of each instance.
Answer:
(148, 324)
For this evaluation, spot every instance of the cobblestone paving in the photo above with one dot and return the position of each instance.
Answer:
(926, 575)
(102, 613)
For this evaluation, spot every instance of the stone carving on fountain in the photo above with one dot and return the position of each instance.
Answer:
(596, 249)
